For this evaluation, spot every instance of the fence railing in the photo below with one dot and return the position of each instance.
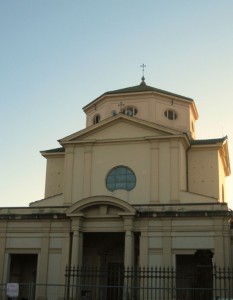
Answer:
(117, 283)
(114, 282)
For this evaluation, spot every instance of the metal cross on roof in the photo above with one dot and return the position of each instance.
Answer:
(143, 69)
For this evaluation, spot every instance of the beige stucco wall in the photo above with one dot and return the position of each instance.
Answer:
(222, 180)
(203, 172)
(54, 176)
(157, 157)
(169, 237)
(154, 164)
(49, 239)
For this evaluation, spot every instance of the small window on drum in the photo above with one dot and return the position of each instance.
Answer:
(170, 114)
(96, 119)
(120, 178)
(130, 111)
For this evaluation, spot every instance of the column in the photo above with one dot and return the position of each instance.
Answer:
(77, 245)
(129, 240)
(77, 242)
(129, 249)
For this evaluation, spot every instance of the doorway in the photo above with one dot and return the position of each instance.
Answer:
(194, 276)
(100, 249)
(23, 268)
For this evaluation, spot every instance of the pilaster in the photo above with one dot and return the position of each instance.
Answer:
(68, 183)
(154, 175)
(87, 171)
(144, 245)
(42, 266)
(65, 254)
(167, 243)
(175, 171)
(2, 249)
(222, 254)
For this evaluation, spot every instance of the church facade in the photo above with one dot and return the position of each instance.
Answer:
(134, 188)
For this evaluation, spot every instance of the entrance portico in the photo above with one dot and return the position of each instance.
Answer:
(104, 226)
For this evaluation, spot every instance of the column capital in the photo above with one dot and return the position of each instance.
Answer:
(76, 222)
(69, 149)
(127, 215)
(154, 145)
(128, 220)
(75, 216)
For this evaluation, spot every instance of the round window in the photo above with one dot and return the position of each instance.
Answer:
(120, 177)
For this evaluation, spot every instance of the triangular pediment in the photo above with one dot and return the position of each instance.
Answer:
(120, 127)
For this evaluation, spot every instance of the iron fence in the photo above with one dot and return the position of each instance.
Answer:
(117, 283)
(114, 282)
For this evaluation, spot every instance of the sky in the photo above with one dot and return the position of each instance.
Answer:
(56, 56)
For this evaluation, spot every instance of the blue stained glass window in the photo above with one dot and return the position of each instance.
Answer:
(120, 177)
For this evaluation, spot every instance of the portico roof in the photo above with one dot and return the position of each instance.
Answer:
(209, 141)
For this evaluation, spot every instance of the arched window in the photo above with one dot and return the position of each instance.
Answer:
(120, 177)
(170, 114)
(96, 119)
(130, 111)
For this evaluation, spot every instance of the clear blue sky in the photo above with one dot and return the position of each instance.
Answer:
(58, 55)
